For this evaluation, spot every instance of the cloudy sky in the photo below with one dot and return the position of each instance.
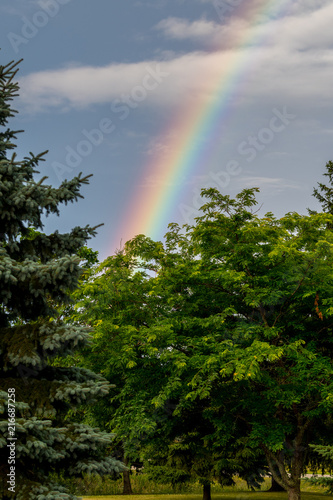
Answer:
(159, 98)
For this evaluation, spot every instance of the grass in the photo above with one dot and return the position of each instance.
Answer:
(194, 492)
(236, 495)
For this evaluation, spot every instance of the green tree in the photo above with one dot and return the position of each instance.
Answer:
(324, 192)
(139, 320)
(248, 327)
(37, 273)
(326, 459)
(114, 301)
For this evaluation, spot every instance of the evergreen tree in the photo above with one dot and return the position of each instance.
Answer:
(37, 274)
(326, 455)
(324, 193)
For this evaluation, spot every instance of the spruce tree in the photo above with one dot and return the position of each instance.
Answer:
(38, 272)
(324, 192)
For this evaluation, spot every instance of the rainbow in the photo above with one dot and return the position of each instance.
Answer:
(188, 154)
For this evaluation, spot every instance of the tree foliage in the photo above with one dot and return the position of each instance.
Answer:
(37, 274)
(324, 192)
(224, 340)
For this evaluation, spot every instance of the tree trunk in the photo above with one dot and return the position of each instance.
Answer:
(294, 493)
(127, 487)
(290, 481)
(276, 486)
(206, 492)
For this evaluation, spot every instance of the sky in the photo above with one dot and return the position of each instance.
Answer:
(161, 98)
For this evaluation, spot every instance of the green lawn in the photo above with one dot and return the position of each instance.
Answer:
(236, 495)
(148, 490)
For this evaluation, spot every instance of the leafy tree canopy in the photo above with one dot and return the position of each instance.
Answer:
(230, 318)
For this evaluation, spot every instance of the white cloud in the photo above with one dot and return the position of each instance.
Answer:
(182, 29)
(87, 85)
(292, 60)
(156, 146)
(276, 184)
